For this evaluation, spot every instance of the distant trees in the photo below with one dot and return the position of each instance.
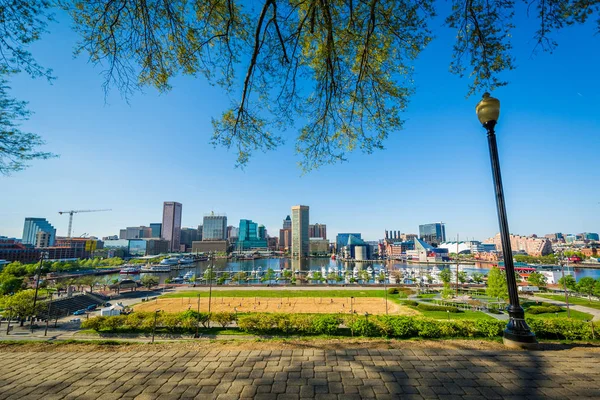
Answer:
(537, 279)
(477, 277)
(586, 285)
(21, 305)
(568, 281)
(239, 277)
(445, 275)
(496, 284)
(269, 275)
(149, 281)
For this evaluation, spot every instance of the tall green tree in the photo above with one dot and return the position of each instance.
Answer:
(338, 71)
(586, 286)
(149, 281)
(23, 23)
(445, 275)
(477, 277)
(568, 281)
(537, 279)
(496, 284)
(21, 305)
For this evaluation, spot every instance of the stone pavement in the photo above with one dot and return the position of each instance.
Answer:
(304, 373)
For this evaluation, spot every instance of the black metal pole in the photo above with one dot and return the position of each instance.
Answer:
(37, 285)
(517, 331)
(154, 324)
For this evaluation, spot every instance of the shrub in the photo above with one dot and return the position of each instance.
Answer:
(223, 318)
(393, 290)
(325, 324)
(410, 303)
(490, 328)
(561, 328)
(544, 309)
(363, 326)
(428, 328)
(399, 327)
(433, 307)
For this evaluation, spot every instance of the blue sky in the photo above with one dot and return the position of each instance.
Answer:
(132, 157)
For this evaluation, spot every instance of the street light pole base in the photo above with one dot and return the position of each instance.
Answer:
(527, 342)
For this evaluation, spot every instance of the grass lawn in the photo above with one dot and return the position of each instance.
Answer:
(472, 315)
(284, 293)
(572, 300)
(562, 314)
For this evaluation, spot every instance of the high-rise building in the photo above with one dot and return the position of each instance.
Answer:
(317, 231)
(42, 239)
(233, 232)
(285, 239)
(156, 229)
(188, 235)
(433, 234)
(341, 240)
(262, 232)
(33, 226)
(249, 236)
(300, 243)
(171, 224)
(214, 227)
(287, 223)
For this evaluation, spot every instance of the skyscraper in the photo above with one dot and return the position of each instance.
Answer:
(300, 242)
(287, 223)
(433, 234)
(34, 225)
(171, 224)
(250, 236)
(317, 231)
(156, 229)
(214, 227)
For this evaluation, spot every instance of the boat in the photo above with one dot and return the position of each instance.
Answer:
(369, 269)
(177, 279)
(170, 261)
(130, 270)
(333, 257)
(155, 268)
(188, 275)
(186, 261)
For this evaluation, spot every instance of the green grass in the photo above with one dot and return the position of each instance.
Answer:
(563, 314)
(284, 293)
(427, 295)
(472, 315)
(572, 300)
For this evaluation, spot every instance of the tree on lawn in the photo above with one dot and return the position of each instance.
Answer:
(445, 275)
(496, 284)
(286, 275)
(269, 275)
(363, 276)
(586, 286)
(20, 305)
(239, 277)
(149, 281)
(477, 277)
(569, 281)
(463, 276)
(332, 277)
(537, 279)
(344, 69)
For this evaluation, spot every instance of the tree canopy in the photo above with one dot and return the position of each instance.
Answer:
(339, 72)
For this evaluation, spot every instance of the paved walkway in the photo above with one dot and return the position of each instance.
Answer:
(302, 373)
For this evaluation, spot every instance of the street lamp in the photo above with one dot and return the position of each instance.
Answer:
(154, 324)
(517, 332)
(43, 255)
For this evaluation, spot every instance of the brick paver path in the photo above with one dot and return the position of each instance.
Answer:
(295, 374)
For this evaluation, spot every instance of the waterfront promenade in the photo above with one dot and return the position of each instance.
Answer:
(303, 370)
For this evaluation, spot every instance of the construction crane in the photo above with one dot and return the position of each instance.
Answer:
(75, 212)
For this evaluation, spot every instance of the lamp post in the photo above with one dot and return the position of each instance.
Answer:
(517, 332)
(37, 285)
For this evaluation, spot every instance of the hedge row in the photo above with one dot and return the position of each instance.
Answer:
(563, 328)
(544, 309)
(144, 321)
(328, 324)
(433, 307)
(373, 326)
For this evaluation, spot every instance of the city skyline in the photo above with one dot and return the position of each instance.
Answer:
(435, 169)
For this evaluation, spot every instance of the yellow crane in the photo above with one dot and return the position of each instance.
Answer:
(71, 212)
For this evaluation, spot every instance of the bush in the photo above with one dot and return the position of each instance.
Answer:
(363, 326)
(544, 309)
(325, 324)
(561, 328)
(393, 290)
(223, 318)
(490, 328)
(433, 307)
(410, 303)
(399, 327)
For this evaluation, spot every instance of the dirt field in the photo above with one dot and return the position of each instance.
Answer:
(283, 305)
